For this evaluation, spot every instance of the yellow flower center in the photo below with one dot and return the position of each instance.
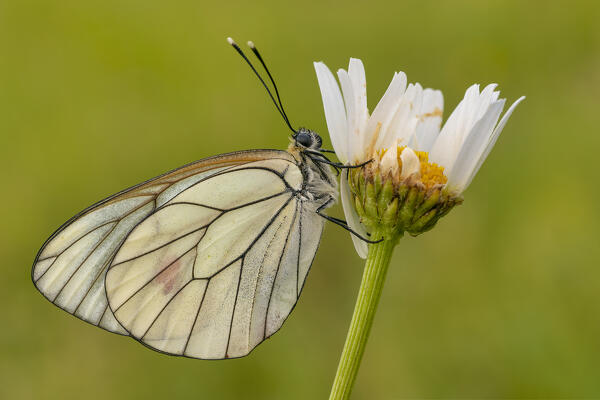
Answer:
(431, 173)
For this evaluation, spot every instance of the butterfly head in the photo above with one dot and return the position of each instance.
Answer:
(307, 139)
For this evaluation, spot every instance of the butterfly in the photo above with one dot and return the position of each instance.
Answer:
(205, 261)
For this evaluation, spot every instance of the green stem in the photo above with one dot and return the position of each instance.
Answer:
(369, 293)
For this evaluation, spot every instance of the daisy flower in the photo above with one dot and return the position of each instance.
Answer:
(419, 169)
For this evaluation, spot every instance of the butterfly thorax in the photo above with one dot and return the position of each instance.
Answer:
(320, 181)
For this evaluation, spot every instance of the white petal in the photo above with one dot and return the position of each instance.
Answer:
(389, 161)
(404, 123)
(356, 71)
(335, 112)
(410, 163)
(384, 111)
(352, 217)
(460, 123)
(473, 147)
(447, 145)
(430, 120)
(493, 140)
(469, 116)
(352, 138)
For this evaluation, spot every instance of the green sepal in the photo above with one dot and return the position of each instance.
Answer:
(389, 215)
(386, 195)
(359, 207)
(377, 183)
(402, 192)
(418, 226)
(408, 207)
(354, 180)
(370, 201)
(362, 187)
(428, 204)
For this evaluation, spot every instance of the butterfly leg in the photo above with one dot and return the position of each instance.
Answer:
(341, 166)
(327, 151)
(317, 161)
(321, 158)
(341, 222)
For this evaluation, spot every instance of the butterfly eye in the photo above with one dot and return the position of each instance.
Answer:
(304, 138)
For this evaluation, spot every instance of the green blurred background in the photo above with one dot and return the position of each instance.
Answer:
(500, 300)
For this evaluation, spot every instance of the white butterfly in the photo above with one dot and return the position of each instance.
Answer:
(205, 261)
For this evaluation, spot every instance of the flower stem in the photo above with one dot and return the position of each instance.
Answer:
(376, 267)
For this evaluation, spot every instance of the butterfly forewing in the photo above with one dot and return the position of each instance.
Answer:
(205, 261)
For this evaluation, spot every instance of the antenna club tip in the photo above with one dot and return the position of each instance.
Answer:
(251, 44)
(230, 41)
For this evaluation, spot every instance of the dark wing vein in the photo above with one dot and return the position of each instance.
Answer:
(193, 231)
(68, 247)
(196, 318)
(253, 242)
(279, 267)
(107, 262)
(299, 251)
(84, 235)
(161, 246)
(85, 259)
(191, 204)
(242, 268)
(273, 218)
(260, 271)
(237, 292)
(154, 276)
(82, 214)
(228, 170)
(311, 262)
(163, 309)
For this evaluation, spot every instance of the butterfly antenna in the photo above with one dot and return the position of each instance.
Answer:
(262, 61)
(241, 53)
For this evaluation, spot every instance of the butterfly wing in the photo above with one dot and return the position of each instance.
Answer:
(219, 267)
(70, 268)
(206, 261)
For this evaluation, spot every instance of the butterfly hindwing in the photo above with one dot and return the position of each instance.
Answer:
(229, 277)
